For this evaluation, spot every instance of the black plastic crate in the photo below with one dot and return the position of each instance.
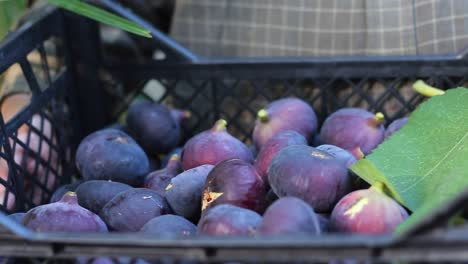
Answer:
(71, 98)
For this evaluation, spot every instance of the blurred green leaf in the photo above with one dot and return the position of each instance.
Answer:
(10, 10)
(102, 16)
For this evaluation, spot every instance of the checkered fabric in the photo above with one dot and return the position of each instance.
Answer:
(321, 27)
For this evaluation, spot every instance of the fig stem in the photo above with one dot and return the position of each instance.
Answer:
(425, 89)
(379, 117)
(262, 115)
(174, 157)
(220, 125)
(187, 114)
(357, 153)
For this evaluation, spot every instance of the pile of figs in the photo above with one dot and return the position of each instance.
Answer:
(293, 180)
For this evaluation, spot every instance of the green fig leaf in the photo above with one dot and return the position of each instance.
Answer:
(424, 164)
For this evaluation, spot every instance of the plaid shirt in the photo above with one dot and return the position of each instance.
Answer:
(321, 27)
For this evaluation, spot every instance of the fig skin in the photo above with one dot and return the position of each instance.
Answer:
(349, 128)
(63, 216)
(169, 155)
(93, 195)
(18, 217)
(158, 180)
(234, 182)
(184, 192)
(229, 220)
(284, 114)
(170, 226)
(345, 156)
(396, 125)
(110, 154)
(273, 146)
(368, 211)
(309, 174)
(289, 216)
(58, 194)
(129, 211)
(213, 146)
(153, 126)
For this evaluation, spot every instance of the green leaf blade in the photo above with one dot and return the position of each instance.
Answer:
(425, 163)
(102, 16)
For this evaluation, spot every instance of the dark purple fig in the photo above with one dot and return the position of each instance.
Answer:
(234, 182)
(349, 128)
(229, 220)
(158, 180)
(213, 146)
(184, 192)
(111, 154)
(93, 195)
(167, 157)
(17, 217)
(396, 125)
(310, 174)
(170, 226)
(367, 211)
(57, 195)
(284, 114)
(340, 154)
(129, 211)
(180, 115)
(253, 149)
(63, 216)
(289, 216)
(272, 146)
(153, 127)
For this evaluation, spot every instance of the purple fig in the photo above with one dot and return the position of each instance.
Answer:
(180, 115)
(229, 220)
(367, 211)
(184, 192)
(272, 146)
(213, 146)
(158, 180)
(57, 195)
(153, 126)
(289, 216)
(63, 216)
(284, 114)
(349, 128)
(169, 226)
(396, 125)
(234, 182)
(129, 211)
(310, 174)
(340, 154)
(93, 195)
(167, 157)
(111, 154)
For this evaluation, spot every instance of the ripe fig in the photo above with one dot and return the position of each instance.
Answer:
(129, 211)
(158, 180)
(170, 226)
(272, 146)
(153, 127)
(63, 216)
(396, 125)
(93, 195)
(229, 220)
(213, 146)
(111, 154)
(310, 174)
(342, 155)
(235, 182)
(284, 114)
(368, 211)
(184, 192)
(349, 128)
(169, 155)
(57, 195)
(289, 216)
(180, 115)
